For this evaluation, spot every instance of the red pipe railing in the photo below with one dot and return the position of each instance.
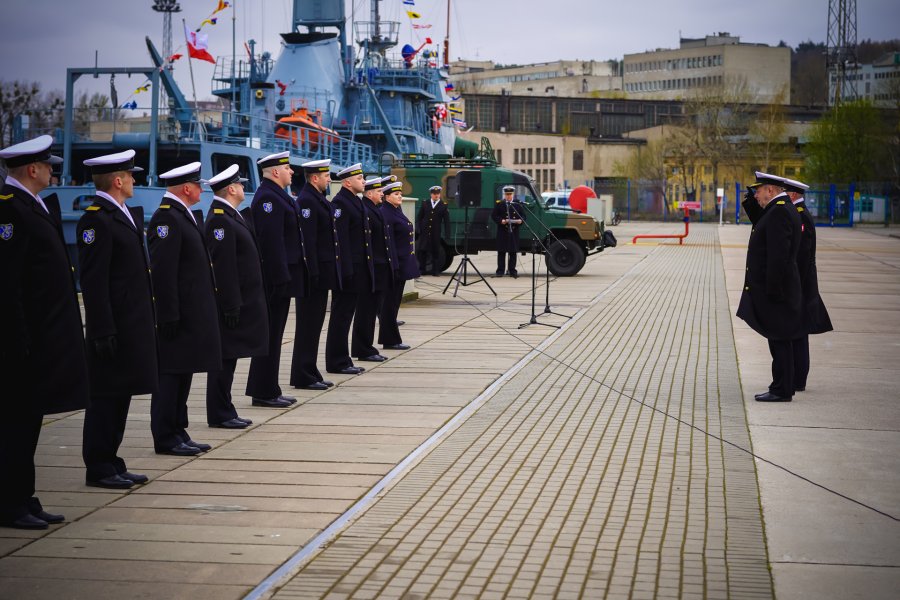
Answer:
(680, 236)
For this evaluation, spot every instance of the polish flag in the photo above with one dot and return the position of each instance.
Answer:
(197, 44)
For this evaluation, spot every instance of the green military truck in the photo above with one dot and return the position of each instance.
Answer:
(568, 237)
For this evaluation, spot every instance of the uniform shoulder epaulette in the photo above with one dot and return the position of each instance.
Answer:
(93, 207)
(165, 206)
(498, 201)
(218, 211)
(799, 209)
(780, 202)
(6, 196)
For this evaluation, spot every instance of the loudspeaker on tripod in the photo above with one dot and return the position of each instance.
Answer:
(468, 189)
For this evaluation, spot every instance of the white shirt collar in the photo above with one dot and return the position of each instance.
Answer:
(121, 206)
(435, 202)
(16, 184)
(798, 200)
(172, 196)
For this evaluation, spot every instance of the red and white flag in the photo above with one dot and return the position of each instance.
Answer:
(197, 44)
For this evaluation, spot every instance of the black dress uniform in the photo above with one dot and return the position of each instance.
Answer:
(369, 303)
(770, 302)
(507, 235)
(402, 236)
(43, 369)
(815, 316)
(431, 223)
(243, 315)
(187, 315)
(121, 328)
(355, 238)
(281, 251)
(323, 259)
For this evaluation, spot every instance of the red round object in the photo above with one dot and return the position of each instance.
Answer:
(579, 197)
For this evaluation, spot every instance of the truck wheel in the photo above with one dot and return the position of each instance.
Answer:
(565, 258)
(444, 258)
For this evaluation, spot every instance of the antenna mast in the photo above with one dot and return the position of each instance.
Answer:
(166, 7)
(841, 60)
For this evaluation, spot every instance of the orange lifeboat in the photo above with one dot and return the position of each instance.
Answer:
(306, 130)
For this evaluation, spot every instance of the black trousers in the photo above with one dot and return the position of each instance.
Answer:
(104, 429)
(168, 410)
(800, 348)
(18, 442)
(337, 351)
(429, 248)
(509, 264)
(262, 380)
(368, 305)
(388, 330)
(310, 319)
(219, 405)
(782, 368)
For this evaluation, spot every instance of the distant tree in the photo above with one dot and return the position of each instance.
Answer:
(809, 84)
(767, 132)
(648, 165)
(848, 144)
(868, 51)
(16, 99)
(90, 108)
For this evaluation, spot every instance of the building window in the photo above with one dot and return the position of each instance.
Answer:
(530, 159)
(537, 155)
(578, 160)
(552, 179)
(515, 156)
(552, 156)
(546, 155)
(499, 154)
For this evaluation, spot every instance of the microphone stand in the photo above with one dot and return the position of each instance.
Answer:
(546, 253)
(533, 320)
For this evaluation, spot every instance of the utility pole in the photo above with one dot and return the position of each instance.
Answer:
(841, 60)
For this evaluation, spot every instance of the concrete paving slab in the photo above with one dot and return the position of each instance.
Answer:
(18, 587)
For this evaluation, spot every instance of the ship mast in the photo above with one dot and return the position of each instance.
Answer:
(447, 39)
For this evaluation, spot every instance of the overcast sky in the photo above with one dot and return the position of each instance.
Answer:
(43, 37)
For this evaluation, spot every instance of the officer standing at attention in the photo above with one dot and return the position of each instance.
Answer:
(509, 216)
(403, 238)
(369, 302)
(117, 293)
(355, 237)
(433, 220)
(282, 253)
(815, 316)
(770, 302)
(323, 259)
(43, 368)
(243, 317)
(186, 309)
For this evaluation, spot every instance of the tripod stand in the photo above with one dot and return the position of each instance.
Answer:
(464, 264)
(533, 320)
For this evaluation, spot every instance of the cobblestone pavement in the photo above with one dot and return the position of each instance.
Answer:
(589, 472)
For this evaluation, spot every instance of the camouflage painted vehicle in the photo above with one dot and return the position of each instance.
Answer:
(568, 237)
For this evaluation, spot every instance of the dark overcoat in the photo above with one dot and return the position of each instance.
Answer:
(281, 244)
(185, 291)
(815, 316)
(117, 292)
(432, 223)
(507, 235)
(384, 255)
(239, 282)
(319, 227)
(771, 298)
(402, 237)
(42, 354)
(355, 235)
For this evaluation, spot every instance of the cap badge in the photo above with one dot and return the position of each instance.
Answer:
(305, 212)
(6, 231)
(88, 235)
(162, 230)
(219, 234)
(267, 206)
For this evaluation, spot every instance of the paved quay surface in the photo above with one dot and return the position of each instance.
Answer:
(586, 470)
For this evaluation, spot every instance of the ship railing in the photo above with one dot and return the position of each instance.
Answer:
(378, 33)
(227, 68)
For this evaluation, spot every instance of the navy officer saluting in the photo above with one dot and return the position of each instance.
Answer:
(509, 215)
(281, 250)
(43, 369)
(186, 309)
(118, 305)
(243, 317)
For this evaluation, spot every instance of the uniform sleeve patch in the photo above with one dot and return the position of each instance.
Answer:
(6, 231)
(337, 213)
(267, 206)
(88, 236)
(305, 212)
(162, 230)
(219, 234)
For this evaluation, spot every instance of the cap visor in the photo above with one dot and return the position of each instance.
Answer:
(135, 170)
(54, 160)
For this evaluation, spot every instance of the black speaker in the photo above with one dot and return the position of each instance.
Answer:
(468, 189)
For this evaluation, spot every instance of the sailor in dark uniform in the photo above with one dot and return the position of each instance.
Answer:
(509, 215)
(281, 251)
(770, 302)
(815, 316)
(117, 293)
(432, 221)
(323, 259)
(402, 235)
(369, 302)
(355, 238)
(186, 311)
(243, 316)
(43, 369)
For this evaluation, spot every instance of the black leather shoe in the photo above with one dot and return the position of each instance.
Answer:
(327, 383)
(760, 394)
(399, 323)
(800, 389)
(247, 421)
(198, 445)
(396, 347)
(43, 515)
(231, 424)
(26, 522)
(288, 399)
(373, 358)
(134, 477)
(113, 482)
(271, 402)
(317, 386)
(770, 397)
(514, 275)
(180, 450)
(349, 371)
